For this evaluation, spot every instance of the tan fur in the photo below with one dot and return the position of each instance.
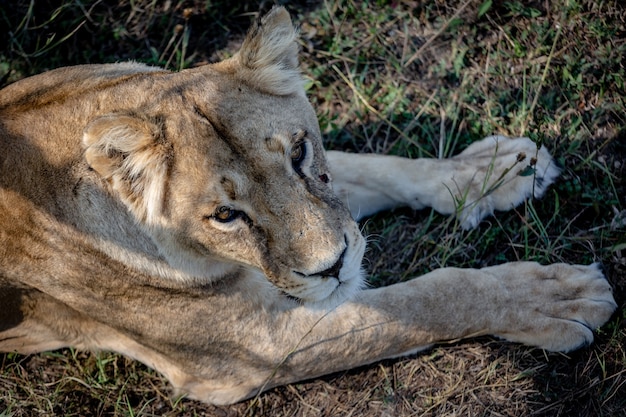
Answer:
(188, 220)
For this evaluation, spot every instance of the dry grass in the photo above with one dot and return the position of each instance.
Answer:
(409, 78)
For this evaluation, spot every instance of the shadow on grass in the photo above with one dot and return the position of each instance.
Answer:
(48, 34)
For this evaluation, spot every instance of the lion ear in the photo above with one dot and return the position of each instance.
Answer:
(268, 57)
(131, 155)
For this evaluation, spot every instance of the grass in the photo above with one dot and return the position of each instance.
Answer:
(407, 78)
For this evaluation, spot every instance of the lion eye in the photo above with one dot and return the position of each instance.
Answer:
(225, 214)
(298, 153)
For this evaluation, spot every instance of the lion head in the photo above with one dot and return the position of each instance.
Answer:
(223, 167)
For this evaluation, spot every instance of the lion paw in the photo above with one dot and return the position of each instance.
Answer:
(559, 308)
(498, 173)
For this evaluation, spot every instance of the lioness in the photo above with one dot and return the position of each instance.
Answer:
(194, 222)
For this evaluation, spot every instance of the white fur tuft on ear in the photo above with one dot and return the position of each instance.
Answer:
(129, 153)
(268, 58)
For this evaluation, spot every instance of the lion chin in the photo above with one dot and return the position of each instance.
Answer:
(328, 292)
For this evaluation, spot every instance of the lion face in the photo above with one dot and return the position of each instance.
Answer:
(225, 168)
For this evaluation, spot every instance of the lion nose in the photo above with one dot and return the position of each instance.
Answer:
(333, 271)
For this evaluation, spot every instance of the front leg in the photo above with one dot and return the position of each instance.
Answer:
(496, 173)
(554, 307)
